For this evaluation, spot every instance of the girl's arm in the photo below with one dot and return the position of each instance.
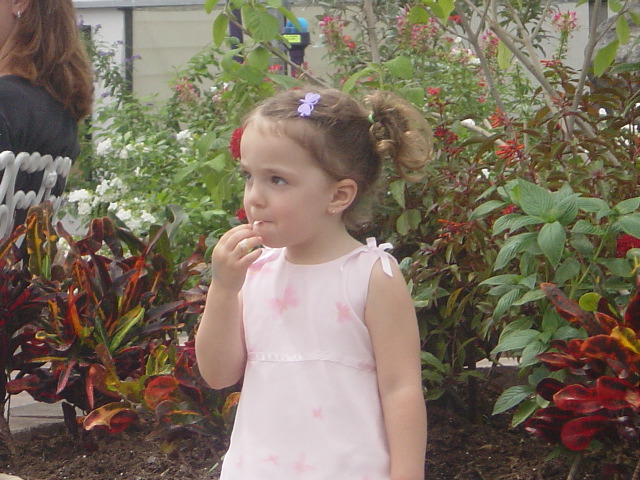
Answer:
(392, 323)
(220, 348)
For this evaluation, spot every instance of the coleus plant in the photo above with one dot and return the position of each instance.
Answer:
(600, 397)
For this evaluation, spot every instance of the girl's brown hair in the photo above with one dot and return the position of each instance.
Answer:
(351, 141)
(45, 48)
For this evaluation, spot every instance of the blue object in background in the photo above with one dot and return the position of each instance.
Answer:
(291, 28)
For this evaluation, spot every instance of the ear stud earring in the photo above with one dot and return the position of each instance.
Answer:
(19, 14)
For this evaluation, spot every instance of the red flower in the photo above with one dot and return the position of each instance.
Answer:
(234, 143)
(510, 150)
(498, 119)
(625, 243)
(241, 214)
(348, 42)
(510, 209)
(433, 91)
(455, 19)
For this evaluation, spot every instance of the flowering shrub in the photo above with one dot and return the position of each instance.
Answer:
(156, 163)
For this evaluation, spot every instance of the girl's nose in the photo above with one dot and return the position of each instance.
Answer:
(253, 195)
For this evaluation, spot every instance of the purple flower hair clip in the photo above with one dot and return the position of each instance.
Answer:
(307, 103)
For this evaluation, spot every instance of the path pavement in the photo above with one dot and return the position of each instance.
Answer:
(25, 413)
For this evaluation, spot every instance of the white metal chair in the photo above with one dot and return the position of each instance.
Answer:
(47, 168)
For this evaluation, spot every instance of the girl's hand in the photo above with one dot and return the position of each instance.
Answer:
(233, 255)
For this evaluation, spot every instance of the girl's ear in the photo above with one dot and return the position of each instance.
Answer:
(344, 194)
(20, 6)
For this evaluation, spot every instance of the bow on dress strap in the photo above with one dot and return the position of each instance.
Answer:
(380, 252)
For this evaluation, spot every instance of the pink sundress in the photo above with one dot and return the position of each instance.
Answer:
(309, 407)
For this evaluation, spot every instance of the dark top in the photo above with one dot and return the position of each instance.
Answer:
(31, 120)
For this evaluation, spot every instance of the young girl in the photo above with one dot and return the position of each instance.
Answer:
(322, 327)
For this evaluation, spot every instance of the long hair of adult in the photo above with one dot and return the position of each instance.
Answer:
(45, 47)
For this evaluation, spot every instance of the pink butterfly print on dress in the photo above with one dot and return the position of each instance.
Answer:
(343, 312)
(288, 300)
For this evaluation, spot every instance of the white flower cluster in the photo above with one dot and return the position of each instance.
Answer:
(112, 192)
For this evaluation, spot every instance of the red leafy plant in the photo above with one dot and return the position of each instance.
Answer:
(185, 407)
(107, 308)
(21, 302)
(600, 397)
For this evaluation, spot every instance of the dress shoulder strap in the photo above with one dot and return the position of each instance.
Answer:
(378, 252)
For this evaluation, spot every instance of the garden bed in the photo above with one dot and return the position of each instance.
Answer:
(458, 449)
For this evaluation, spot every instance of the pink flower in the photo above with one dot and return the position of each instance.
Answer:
(433, 91)
(565, 22)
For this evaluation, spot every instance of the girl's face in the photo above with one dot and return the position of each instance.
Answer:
(286, 194)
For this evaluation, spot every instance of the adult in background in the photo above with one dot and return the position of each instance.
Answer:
(46, 84)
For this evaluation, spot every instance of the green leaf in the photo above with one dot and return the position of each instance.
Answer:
(486, 208)
(566, 210)
(259, 58)
(592, 205)
(630, 224)
(623, 32)
(220, 26)
(397, 191)
(511, 397)
(442, 9)
(604, 57)
(582, 244)
(524, 411)
(615, 5)
(262, 26)
(418, 15)
(413, 95)
(353, 79)
(516, 341)
(586, 227)
(617, 266)
(402, 224)
(535, 200)
(506, 279)
(432, 360)
(504, 56)
(512, 247)
(531, 296)
(551, 240)
(523, 323)
(414, 217)
(126, 323)
(209, 5)
(569, 269)
(505, 302)
(627, 206)
(530, 353)
(401, 67)
(589, 301)
(514, 222)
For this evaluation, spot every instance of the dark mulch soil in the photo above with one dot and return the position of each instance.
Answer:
(458, 449)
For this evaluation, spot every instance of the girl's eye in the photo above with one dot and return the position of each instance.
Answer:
(278, 180)
(245, 175)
